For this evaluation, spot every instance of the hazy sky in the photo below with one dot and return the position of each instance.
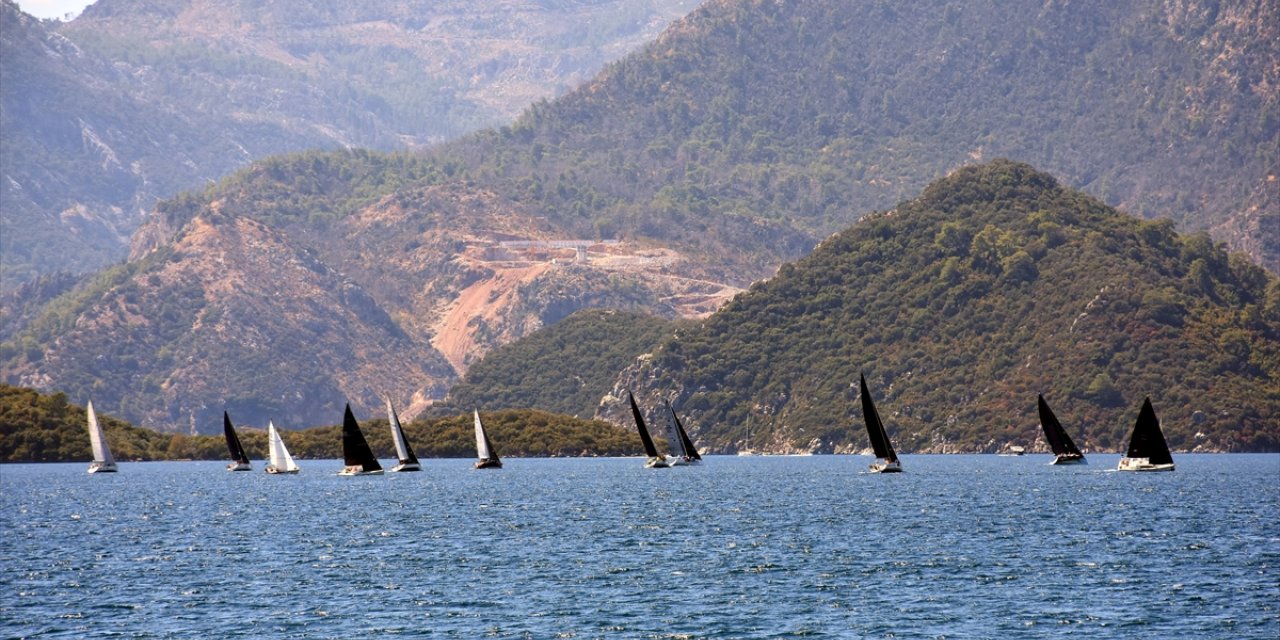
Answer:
(52, 8)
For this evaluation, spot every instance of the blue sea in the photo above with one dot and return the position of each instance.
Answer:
(741, 547)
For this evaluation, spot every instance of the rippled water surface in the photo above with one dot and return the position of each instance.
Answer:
(761, 547)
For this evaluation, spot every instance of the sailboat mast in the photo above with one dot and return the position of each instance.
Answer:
(649, 449)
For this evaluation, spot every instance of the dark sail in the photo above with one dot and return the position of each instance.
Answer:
(1147, 440)
(401, 441)
(685, 443)
(1058, 439)
(233, 441)
(493, 452)
(875, 428)
(649, 449)
(355, 450)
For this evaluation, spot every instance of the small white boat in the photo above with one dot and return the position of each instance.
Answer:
(486, 454)
(886, 460)
(404, 453)
(356, 454)
(278, 458)
(103, 462)
(239, 460)
(1148, 450)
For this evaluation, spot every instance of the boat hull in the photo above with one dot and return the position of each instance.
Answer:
(488, 464)
(358, 471)
(1068, 458)
(408, 466)
(656, 463)
(102, 467)
(1141, 464)
(277, 471)
(886, 467)
(239, 466)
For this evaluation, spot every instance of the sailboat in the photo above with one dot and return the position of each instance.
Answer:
(278, 458)
(239, 460)
(655, 461)
(886, 459)
(680, 440)
(102, 460)
(408, 461)
(488, 456)
(356, 454)
(1064, 450)
(1147, 449)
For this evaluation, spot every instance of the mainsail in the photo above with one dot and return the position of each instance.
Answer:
(279, 460)
(1058, 439)
(487, 454)
(682, 437)
(239, 460)
(408, 461)
(356, 454)
(649, 449)
(102, 459)
(1147, 440)
(875, 428)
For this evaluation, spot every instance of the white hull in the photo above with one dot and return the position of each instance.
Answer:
(886, 467)
(1068, 459)
(102, 467)
(656, 463)
(408, 466)
(275, 471)
(358, 471)
(239, 466)
(488, 464)
(1141, 464)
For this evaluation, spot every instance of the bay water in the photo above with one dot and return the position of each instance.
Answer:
(959, 546)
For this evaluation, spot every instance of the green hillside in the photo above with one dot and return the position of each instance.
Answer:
(961, 305)
(38, 427)
(565, 368)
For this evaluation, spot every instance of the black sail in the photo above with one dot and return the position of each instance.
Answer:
(233, 441)
(649, 449)
(1147, 440)
(1058, 439)
(402, 441)
(875, 428)
(685, 442)
(355, 450)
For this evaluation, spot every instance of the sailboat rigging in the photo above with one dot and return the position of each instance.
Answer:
(404, 453)
(655, 461)
(886, 459)
(103, 462)
(239, 459)
(487, 454)
(679, 440)
(356, 455)
(278, 458)
(1064, 450)
(1148, 450)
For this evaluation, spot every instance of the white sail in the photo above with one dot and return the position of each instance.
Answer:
(397, 434)
(482, 443)
(102, 460)
(277, 453)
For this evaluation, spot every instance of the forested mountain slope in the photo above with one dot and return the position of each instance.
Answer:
(960, 306)
(137, 100)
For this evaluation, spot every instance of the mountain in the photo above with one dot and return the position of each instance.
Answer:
(810, 113)
(692, 168)
(284, 299)
(134, 100)
(959, 307)
(564, 368)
